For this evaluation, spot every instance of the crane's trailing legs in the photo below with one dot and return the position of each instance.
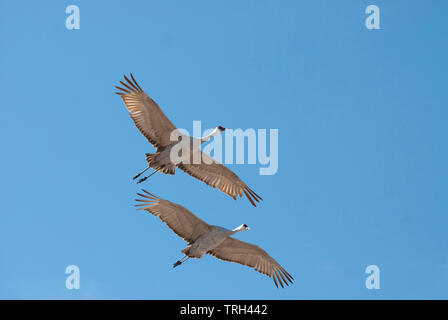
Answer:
(138, 175)
(179, 262)
(144, 178)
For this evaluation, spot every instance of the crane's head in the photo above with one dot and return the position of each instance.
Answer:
(218, 130)
(242, 227)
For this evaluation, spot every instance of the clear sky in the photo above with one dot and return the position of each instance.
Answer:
(362, 119)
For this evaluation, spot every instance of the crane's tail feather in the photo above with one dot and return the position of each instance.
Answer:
(187, 251)
(152, 160)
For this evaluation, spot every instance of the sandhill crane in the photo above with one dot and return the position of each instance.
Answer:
(203, 238)
(157, 128)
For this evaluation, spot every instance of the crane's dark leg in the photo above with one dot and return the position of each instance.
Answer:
(179, 262)
(143, 179)
(138, 175)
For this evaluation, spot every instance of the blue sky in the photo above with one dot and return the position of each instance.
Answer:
(361, 116)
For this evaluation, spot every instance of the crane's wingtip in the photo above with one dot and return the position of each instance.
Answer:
(249, 198)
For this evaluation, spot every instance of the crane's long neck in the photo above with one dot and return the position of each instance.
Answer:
(235, 230)
(208, 137)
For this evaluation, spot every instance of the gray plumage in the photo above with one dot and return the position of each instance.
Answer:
(158, 129)
(203, 238)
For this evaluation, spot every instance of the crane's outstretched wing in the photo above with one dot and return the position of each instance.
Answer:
(218, 176)
(247, 254)
(146, 114)
(185, 224)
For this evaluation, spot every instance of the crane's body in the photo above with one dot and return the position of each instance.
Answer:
(182, 151)
(207, 242)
